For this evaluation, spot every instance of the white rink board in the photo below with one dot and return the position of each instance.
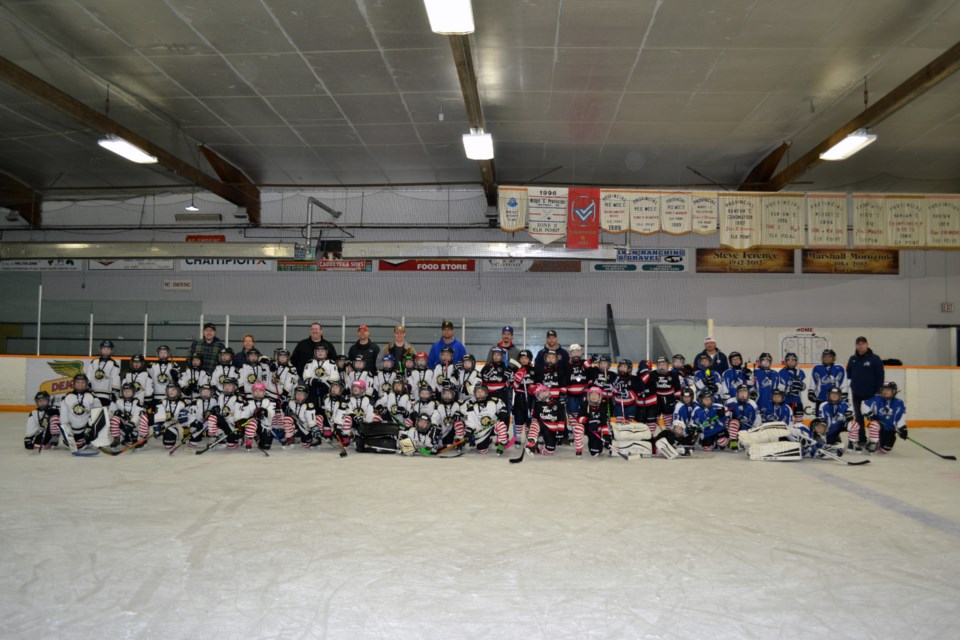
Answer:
(305, 545)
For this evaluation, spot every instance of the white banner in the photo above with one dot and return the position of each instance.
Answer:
(614, 211)
(783, 220)
(40, 265)
(826, 220)
(675, 213)
(547, 212)
(907, 221)
(513, 208)
(178, 285)
(51, 375)
(219, 264)
(740, 220)
(704, 213)
(134, 264)
(644, 212)
(869, 221)
(943, 221)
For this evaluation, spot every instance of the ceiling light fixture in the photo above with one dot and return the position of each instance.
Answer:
(849, 145)
(122, 148)
(478, 145)
(450, 17)
(192, 206)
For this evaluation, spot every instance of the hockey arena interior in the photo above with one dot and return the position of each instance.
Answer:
(495, 319)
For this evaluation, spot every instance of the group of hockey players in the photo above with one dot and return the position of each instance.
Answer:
(667, 408)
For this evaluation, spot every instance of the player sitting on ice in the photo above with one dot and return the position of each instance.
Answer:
(234, 411)
(743, 415)
(778, 441)
(360, 408)
(886, 418)
(710, 420)
(424, 435)
(469, 378)
(171, 420)
(204, 412)
(300, 417)
(193, 377)
(679, 438)
(336, 410)
(128, 418)
(792, 382)
(765, 380)
(485, 420)
(449, 415)
(320, 373)
(257, 427)
(82, 416)
(139, 377)
(104, 374)
(383, 381)
(736, 375)
(779, 411)
(420, 376)
(43, 424)
(224, 370)
(395, 406)
(549, 421)
(595, 423)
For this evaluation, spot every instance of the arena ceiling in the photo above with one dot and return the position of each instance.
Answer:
(614, 92)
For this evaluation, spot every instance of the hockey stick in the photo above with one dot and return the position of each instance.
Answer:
(931, 450)
(219, 439)
(343, 450)
(519, 458)
(827, 454)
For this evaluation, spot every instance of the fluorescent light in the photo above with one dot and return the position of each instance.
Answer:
(478, 145)
(121, 147)
(849, 145)
(197, 217)
(450, 17)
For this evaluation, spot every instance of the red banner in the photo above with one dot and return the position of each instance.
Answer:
(583, 219)
(428, 266)
(206, 238)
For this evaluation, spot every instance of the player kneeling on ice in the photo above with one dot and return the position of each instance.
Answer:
(82, 417)
(838, 416)
(449, 415)
(743, 414)
(300, 418)
(204, 412)
(886, 418)
(595, 422)
(257, 428)
(234, 411)
(171, 418)
(710, 420)
(486, 418)
(128, 418)
(423, 436)
(549, 421)
(43, 424)
(687, 427)
(336, 411)
(395, 406)
(779, 411)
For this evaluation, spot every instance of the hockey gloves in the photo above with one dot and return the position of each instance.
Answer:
(902, 432)
(811, 396)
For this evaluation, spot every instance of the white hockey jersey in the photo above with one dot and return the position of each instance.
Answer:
(142, 385)
(445, 416)
(335, 409)
(480, 417)
(445, 373)
(162, 374)
(191, 380)
(104, 376)
(170, 412)
(364, 375)
(222, 373)
(304, 415)
(396, 406)
(250, 374)
(383, 382)
(127, 410)
(419, 378)
(76, 408)
(202, 409)
(361, 409)
(325, 371)
(234, 408)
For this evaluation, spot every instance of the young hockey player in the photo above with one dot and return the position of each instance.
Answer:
(420, 376)
(736, 375)
(82, 416)
(253, 371)
(204, 412)
(647, 409)
(336, 407)
(320, 373)
(667, 385)
(710, 422)
(765, 380)
(549, 421)
(425, 403)
(343, 366)
(224, 370)
(595, 422)
(193, 377)
(577, 376)
(792, 383)
(603, 378)
(779, 411)
(162, 372)
(686, 372)
(707, 379)
(258, 427)
(283, 377)
(360, 374)
(886, 418)
(445, 371)
(624, 394)
(235, 410)
(551, 375)
(485, 419)
(300, 417)
(360, 413)
(522, 384)
(171, 419)
(449, 415)
(495, 375)
(383, 381)
(43, 424)
(825, 376)
(685, 410)
(128, 419)
(139, 377)
(394, 407)
(104, 375)
(838, 415)
(743, 414)
(424, 434)
(469, 377)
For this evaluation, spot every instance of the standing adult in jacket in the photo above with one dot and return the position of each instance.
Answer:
(865, 373)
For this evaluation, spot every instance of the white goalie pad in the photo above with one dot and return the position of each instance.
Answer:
(767, 432)
(639, 449)
(776, 451)
(406, 446)
(667, 450)
(628, 432)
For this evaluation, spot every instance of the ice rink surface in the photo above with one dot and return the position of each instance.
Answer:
(304, 544)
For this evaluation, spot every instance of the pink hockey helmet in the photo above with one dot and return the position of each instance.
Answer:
(259, 386)
(359, 383)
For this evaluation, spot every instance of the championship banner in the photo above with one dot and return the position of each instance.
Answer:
(851, 261)
(547, 213)
(783, 220)
(740, 220)
(675, 213)
(704, 213)
(40, 265)
(644, 212)
(429, 265)
(869, 221)
(826, 220)
(226, 264)
(614, 211)
(134, 264)
(943, 221)
(513, 208)
(746, 261)
(583, 219)
(907, 221)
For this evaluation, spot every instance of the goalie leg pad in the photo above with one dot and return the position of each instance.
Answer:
(641, 449)
(776, 451)
(769, 432)
(666, 449)
(406, 446)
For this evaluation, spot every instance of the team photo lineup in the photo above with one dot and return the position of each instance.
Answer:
(444, 402)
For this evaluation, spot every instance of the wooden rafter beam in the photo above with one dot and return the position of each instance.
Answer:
(911, 88)
(463, 58)
(231, 174)
(765, 168)
(44, 92)
(21, 198)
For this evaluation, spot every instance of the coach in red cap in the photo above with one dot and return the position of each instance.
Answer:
(364, 348)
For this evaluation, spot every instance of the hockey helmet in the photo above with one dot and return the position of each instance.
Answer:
(550, 353)
(481, 392)
(136, 359)
(525, 353)
(446, 350)
(230, 386)
(84, 382)
(576, 349)
(336, 388)
(421, 359)
(206, 391)
(833, 395)
(253, 355)
(317, 349)
(399, 384)
(163, 352)
(389, 360)
(686, 394)
(359, 364)
(735, 354)
(705, 356)
(358, 384)
(594, 395)
(425, 393)
(126, 386)
(281, 353)
(828, 353)
(777, 393)
(678, 358)
(818, 426)
(744, 391)
(468, 359)
(300, 393)
(342, 359)
(706, 394)
(448, 393)
(887, 386)
(541, 392)
(790, 356)
(226, 356)
(498, 351)
(194, 357)
(106, 344)
(765, 358)
(42, 396)
(625, 362)
(172, 391)
(423, 422)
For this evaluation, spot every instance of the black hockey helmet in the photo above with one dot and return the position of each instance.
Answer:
(137, 358)
(172, 386)
(481, 388)
(818, 426)
(359, 360)
(446, 349)
(828, 353)
(423, 422)
(233, 382)
(525, 353)
(550, 352)
(498, 351)
(226, 351)
(254, 352)
(81, 378)
(127, 386)
(448, 393)
(319, 347)
(425, 393)
(469, 358)
(705, 394)
(106, 344)
(338, 385)
(890, 386)
(196, 355)
(790, 356)
(744, 388)
(341, 358)
(686, 394)
(625, 362)
(401, 382)
(834, 391)
(163, 347)
(678, 356)
(662, 360)
(300, 389)
(208, 388)
(41, 395)
(734, 354)
(777, 392)
(765, 356)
